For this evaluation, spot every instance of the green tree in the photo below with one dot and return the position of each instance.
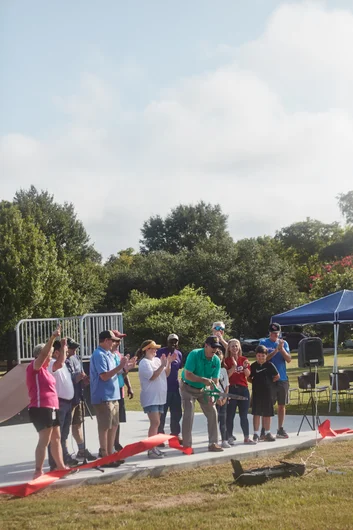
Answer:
(307, 238)
(57, 221)
(32, 284)
(345, 204)
(333, 277)
(343, 247)
(185, 227)
(261, 284)
(189, 313)
(75, 255)
(156, 274)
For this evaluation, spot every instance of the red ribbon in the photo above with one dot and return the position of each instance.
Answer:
(326, 431)
(22, 490)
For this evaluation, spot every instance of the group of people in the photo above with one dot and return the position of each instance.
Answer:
(55, 380)
(219, 364)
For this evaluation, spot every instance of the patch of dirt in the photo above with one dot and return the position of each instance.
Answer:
(155, 503)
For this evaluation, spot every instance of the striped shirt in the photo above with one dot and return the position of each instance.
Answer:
(41, 388)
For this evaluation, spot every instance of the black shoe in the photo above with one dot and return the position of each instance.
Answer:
(82, 455)
(118, 447)
(256, 438)
(72, 462)
(269, 437)
(281, 433)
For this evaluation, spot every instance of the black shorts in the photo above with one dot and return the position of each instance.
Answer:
(43, 418)
(262, 404)
(122, 411)
(280, 391)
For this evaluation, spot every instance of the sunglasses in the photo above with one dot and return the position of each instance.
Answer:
(219, 328)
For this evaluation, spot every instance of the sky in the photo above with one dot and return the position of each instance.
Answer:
(128, 109)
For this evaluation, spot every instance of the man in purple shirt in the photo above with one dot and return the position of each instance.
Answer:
(173, 394)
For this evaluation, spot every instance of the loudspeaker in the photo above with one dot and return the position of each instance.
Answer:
(310, 352)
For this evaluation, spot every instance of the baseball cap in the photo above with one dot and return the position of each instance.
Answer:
(118, 334)
(72, 344)
(106, 334)
(213, 341)
(274, 327)
(173, 336)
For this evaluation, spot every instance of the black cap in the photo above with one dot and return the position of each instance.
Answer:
(213, 341)
(274, 327)
(107, 334)
(72, 344)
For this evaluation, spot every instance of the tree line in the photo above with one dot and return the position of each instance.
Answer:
(187, 273)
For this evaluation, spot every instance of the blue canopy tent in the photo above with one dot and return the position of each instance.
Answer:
(335, 308)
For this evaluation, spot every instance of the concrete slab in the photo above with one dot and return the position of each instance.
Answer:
(17, 445)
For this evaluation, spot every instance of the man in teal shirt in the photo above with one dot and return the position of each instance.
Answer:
(202, 369)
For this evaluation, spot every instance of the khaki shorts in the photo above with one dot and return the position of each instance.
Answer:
(77, 415)
(107, 414)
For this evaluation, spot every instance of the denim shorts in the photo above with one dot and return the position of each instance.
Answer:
(154, 408)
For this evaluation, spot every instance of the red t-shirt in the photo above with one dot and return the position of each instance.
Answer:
(41, 386)
(238, 377)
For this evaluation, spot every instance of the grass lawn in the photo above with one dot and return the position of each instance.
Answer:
(345, 360)
(203, 498)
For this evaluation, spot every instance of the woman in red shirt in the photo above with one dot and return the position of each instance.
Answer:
(44, 405)
(238, 372)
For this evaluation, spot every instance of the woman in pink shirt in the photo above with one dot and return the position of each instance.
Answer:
(44, 405)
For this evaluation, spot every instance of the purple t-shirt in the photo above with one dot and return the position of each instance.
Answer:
(172, 379)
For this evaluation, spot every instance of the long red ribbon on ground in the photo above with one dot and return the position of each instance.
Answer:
(22, 490)
(326, 431)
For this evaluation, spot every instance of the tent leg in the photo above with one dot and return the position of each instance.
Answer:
(335, 365)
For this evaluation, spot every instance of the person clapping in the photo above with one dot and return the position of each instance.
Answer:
(153, 373)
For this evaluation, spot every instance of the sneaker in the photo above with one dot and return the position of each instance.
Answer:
(72, 462)
(231, 440)
(154, 454)
(225, 444)
(82, 455)
(215, 448)
(262, 435)
(269, 437)
(249, 441)
(256, 438)
(281, 433)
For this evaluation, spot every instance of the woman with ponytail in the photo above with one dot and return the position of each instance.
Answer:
(153, 373)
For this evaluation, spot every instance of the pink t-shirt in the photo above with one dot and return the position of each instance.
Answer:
(41, 388)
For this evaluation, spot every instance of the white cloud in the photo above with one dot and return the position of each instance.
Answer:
(268, 135)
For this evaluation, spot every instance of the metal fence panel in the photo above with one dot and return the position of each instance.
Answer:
(83, 329)
(92, 325)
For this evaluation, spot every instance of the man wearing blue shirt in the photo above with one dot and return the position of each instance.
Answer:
(105, 391)
(279, 354)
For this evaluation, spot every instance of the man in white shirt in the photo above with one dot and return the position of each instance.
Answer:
(65, 391)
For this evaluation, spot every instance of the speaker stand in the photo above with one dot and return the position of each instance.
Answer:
(315, 419)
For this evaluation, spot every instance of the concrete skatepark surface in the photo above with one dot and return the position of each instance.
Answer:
(18, 442)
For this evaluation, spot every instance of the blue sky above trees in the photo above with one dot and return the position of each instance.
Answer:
(129, 109)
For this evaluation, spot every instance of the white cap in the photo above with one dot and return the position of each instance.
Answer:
(220, 324)
(173, 336)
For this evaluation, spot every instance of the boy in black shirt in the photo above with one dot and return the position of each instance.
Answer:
(262, 375)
